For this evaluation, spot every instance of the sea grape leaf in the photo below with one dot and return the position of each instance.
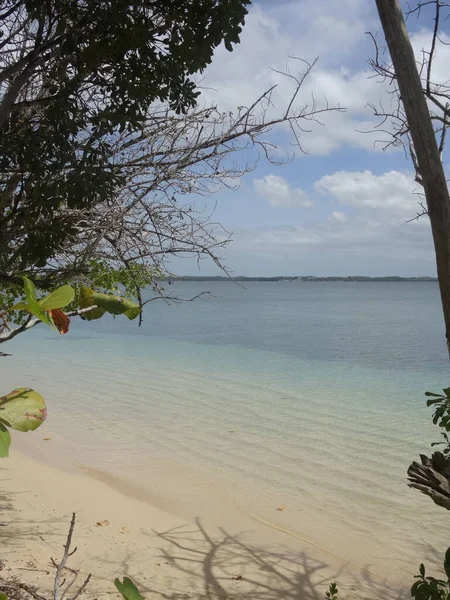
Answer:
(61, 320)
(30, 290)
(85, 300)
(59, 298)
(116, 305)
(132, 312)
(23, 409)
(5, 442)
(33, 305)
(19, 306)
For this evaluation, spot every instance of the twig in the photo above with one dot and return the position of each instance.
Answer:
(62, 564)
(82, 587)
(33, 322)
(175, 299)
(30, 591)
(433, 46)
(58, 584)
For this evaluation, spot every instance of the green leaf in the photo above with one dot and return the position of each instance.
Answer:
(86, 300)
(23, 409)
(433, 402)
(128, 590)
(422, 570)
(19, 306)
(447, 563)
(59, 298)
(30, 290)
(133, 312)
(447, 392)
(3, 597)
(116, 305)
(33, 305)
(5, 442)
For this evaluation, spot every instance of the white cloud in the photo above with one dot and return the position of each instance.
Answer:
(374, 227)
(304, 29)
(391, 193)
(277, 191)
(357, 236)
(339, 216)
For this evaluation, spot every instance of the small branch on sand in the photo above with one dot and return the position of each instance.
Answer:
(60, 587)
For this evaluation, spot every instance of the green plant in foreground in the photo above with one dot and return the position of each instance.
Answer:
(429, 588)
(441, 415)
(332, 593)
(127, 589)
(23, 409)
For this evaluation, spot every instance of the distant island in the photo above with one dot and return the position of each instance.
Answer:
(350, 278)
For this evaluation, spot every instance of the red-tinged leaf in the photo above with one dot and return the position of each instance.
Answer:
(60, 319)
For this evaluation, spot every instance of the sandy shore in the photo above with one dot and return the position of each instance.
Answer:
(169, 556)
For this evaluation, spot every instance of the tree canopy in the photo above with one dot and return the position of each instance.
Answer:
(73, 75)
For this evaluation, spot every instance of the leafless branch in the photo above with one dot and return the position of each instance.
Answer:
(60, 568)
(155, 213)
(175, 299)
(419, 214)
(60, 587)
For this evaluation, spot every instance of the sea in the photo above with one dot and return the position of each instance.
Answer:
(304, 401)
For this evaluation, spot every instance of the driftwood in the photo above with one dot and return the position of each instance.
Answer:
(432, 477)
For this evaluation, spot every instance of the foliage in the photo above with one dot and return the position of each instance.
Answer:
(125, 230)
(115, 305)
(445, 443)
(429, 588)
(72, 75)
(127, 589)
(332, 593)
(441, 404)
(44, 308)
(441, 416)
(108, 278)
(22, 409)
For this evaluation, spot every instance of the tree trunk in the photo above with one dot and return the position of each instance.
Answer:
(424, 140)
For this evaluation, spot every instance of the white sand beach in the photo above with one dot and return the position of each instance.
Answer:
(167, 555)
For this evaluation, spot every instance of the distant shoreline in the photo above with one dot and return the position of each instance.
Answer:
(304, 278)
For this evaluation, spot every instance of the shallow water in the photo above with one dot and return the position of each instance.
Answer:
(307, 396)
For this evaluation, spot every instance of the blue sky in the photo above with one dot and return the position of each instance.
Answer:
(342, 208)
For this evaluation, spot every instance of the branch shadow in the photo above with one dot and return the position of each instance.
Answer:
(228, 567)
(16, 530)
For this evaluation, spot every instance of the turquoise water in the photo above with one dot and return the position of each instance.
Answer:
(301, 394)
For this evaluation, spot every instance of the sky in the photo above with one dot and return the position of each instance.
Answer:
(342, 206)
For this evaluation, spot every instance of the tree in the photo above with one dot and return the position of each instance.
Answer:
(72, 75)
(415, 122)
(422, 102)
(151, 215)
(127, 238)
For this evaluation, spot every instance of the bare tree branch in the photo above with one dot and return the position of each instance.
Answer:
(162, 171)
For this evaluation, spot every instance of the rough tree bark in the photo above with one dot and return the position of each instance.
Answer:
(424, 140)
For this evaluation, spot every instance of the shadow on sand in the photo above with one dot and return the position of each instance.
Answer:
(225, 567)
